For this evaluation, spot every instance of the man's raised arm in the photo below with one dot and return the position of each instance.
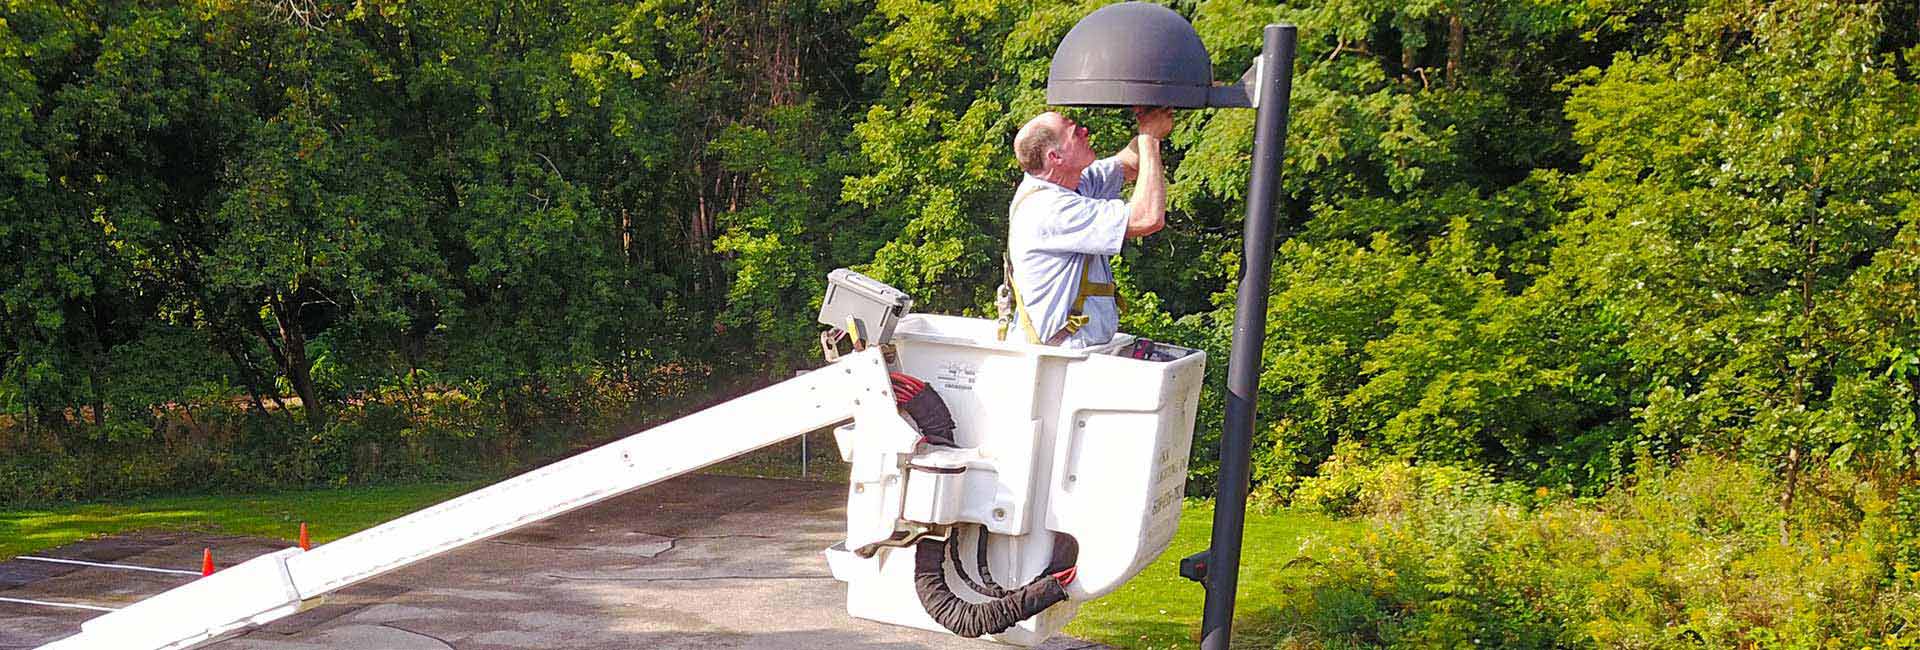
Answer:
(1147, 208)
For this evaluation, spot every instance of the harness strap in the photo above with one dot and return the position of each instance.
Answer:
(1006, 268)
(1076, 317)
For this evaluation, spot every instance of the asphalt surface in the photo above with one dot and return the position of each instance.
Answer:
(695, 562)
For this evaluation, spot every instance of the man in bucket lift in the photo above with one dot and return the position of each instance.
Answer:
(1066, 220)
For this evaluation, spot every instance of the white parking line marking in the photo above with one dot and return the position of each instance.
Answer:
(128, 567)
(47, 604)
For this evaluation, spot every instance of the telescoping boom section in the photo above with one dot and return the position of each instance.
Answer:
(855, 387)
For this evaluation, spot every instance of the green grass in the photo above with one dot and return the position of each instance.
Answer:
(329, 514)
(1161, 610)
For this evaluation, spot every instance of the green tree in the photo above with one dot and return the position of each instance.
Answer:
(1415, 122)
(1748, 218)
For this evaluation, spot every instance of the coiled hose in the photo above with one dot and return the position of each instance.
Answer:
(1005, 607)
(970, 619)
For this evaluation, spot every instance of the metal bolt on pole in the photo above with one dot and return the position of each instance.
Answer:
(1249, 332)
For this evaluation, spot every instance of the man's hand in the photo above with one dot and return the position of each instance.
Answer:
(1154, 121)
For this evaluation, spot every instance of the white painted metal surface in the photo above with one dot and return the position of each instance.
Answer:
(1082, 442)
(279, 584)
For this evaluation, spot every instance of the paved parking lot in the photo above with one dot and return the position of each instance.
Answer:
(696, 562)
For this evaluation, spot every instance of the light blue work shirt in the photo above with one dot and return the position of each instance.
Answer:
(1054, 232)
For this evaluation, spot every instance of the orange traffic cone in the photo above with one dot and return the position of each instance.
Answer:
(206, 562)
(305, 544)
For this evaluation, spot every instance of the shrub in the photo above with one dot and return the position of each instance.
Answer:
(1691, 557)
(1353, 482)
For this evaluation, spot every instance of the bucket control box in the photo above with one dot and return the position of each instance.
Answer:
(864, 307)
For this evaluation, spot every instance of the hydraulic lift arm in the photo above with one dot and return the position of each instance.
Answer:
(279, 584)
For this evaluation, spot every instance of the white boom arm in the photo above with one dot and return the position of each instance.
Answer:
(282, 583)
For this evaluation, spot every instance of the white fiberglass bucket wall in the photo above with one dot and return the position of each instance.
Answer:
(1082, 442)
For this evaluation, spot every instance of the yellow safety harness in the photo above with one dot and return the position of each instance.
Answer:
(1076, 317)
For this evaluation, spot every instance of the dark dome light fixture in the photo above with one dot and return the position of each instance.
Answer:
(1143, 54)
(1131, 54)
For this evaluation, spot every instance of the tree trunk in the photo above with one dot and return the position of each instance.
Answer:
(289, 352)
(245, 368)
(96, 354)
(246, 364)
(1800, 372)
(1408, 58)
(626, 235)
(515, 408)
(1456, 47)
(298, 368)
(95, 399)
(1786, 498)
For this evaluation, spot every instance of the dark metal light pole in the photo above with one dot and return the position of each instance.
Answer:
(1143, 54)
(1274, 80)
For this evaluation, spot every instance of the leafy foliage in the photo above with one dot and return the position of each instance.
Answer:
(304, 208)
(1658, 255)
(1686, 558)
(1745, 242)
(1544, 242)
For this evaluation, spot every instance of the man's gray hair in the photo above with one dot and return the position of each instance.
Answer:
(1031, 144)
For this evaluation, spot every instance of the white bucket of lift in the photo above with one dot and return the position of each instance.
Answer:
(1089, 443)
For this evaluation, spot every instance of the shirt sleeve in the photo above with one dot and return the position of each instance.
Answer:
(1071, 223)
(1103, 179)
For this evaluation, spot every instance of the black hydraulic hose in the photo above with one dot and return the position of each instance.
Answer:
(969, 619)
(931, 414)
(1005, 607)
(928, 411)
(980, 560)
(989, 589)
